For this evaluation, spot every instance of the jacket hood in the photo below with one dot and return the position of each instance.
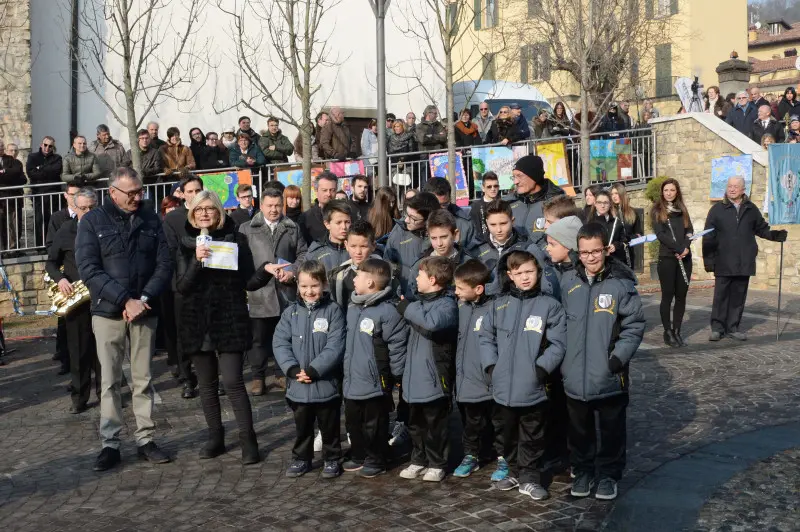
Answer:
(457, 211)
(526, 294)
(326, 298)
(728, 203)
(615, 269)
(433, 296)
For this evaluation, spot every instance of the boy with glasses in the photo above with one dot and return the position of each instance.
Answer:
(246, 210)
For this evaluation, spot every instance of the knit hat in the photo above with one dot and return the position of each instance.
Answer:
(565, 231)
(532, 166)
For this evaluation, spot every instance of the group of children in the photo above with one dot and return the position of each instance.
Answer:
(531, 341)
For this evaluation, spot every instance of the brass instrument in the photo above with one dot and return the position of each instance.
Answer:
(61, 304)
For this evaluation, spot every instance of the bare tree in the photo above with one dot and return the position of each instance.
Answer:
(450, 52)
(602, 48)
(136, 54)
(281, 47)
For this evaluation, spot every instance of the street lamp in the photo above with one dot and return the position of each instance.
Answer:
(379, 8)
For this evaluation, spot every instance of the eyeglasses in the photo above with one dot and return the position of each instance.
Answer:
(205, 210)
(413, 218)
(246, 197)
(131, 194)
(491, 186)
(85, 209)
(595, 253)
(484, 109)
(741, 97)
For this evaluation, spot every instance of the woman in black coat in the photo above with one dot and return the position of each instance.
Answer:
(602, 213)
(788, 105)
(215, 325)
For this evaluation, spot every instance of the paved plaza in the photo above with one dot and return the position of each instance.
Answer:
(713, 445)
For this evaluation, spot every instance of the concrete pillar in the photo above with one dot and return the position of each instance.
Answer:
(734, 75)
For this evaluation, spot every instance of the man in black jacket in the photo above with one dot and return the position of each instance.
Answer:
(124, 260)
(150, 158)
(11, 175)
(311, 224)
(44, 173)
(80, 338)
(766, 125)
(730, 253)
(359, 201)
(742, 115)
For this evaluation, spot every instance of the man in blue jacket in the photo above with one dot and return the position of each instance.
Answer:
(743, 115)
(520, 121)
(124, 260)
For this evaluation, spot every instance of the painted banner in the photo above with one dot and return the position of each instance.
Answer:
(347, 168)
(225, 183)
(556, 166)
(723, 168)
(439, 164)
(610, 160)
(497, 159)
(784, 189)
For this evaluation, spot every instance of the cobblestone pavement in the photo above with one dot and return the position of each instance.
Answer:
(681, 401)
(766, 496)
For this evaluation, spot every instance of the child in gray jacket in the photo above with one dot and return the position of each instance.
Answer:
(309, 346)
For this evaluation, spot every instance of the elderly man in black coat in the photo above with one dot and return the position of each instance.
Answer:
(730, 253)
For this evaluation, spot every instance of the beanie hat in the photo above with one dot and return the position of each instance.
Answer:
(532, 166)
(565, 232)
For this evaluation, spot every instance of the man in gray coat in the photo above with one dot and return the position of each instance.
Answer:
(110, 152)
(80, 165)
(273, 239)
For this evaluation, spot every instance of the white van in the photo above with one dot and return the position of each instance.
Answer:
(497, 93)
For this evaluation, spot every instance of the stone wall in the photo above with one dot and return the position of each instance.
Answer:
(27, 284)
(15, 74)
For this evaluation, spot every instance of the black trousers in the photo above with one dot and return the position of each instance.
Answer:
(82, 354)
(585, 450)
(556, 428)
(367, 423)
(521, 434)
(166, 324)
(402, 407)
(184, 361)
(730, 294)
(261, 352)
(208, 368)
(429, 430)
(673, 286)
(62, 347)
(478, 432)
(328, 417)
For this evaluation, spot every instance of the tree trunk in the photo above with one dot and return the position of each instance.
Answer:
(585, 152)
(451, 129)
(130, 94)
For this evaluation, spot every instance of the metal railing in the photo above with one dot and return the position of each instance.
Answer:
(24, 212)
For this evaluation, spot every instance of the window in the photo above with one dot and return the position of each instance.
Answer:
(663, 70)
(661, 8)
(488, 66)
(634, 68)
(775, 28)
(477, 9)
(452, 17)
(492, 13)
(535, 62)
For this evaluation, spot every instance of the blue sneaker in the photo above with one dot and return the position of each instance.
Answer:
(468, 466)
(298, 468)
(502, 470)
(331, 469)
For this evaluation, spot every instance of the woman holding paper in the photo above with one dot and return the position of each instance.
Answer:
(214, 268)
(602, 212)
(673, 228)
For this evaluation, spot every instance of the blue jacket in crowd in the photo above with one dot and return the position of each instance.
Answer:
(473, 384)
(743, 118)
(466, 229)
(486, 252)
(528, 210)
(550, 279)
(403, 248)
(523, 339)
(457, 260)
(311, 338)
(329, 254)
(376, 346)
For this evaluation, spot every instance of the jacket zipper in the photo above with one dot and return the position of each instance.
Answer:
(511, 352)
(585, 336)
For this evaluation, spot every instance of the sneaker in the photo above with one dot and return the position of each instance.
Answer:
(298, 468)
(107, 459)
(606, 489)
(433, 474)
(508, 483)
(582, 485)
(468, 466)
(353, 465)
(370, 471)
(150, 452)
(736, 335)
(413, 471)
(331, 469)
(715, 336)
(400, 434)
(502, 470)
(534, 491)
(318, 442)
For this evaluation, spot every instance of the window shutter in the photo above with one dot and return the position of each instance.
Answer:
(477, 9)
(663, 70)
(649, 9)
(452, 14)
(523, 64)
(544, 54)
(673, 7)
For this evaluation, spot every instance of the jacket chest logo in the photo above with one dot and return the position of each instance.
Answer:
(533, 323)
(605, 303)
(320, 325)
(478, 323)
(367, 326)
(539, 224)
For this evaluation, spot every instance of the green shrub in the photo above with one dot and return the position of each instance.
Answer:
(653, 190)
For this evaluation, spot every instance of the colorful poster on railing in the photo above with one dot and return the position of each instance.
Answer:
(610, 160)
(497, 159)
(723, 168)
(784, 184)
(290, 175)
(347, 168)
(439, 163)
(556, 167)
(225, 183)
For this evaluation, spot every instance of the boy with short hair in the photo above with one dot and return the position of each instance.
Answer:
(312, 367)
(554, 209)
(360, 246)
(473, 385)
(606, 331)
(477, 211)
(429, 367)
(440, 187)
(523, 339)
(559, 207)
(331, 251)
(375, 354)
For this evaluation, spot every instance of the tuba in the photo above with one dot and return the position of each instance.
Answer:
(61, 304)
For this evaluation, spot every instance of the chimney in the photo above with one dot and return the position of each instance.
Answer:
(752, 34)
(790, 52)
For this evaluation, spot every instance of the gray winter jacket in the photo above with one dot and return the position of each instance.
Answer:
(285, 243)
(604, 321)
(81, 167)
(466, 229)
(487, 253)
(311, 339)
(522, 331)
(549, 281)
(376, 346)
(329, 254)
(109, 157)
(430, 359)
(403, 248)
(473, 384)
(411, 294)
(484, 126)
(529, 210)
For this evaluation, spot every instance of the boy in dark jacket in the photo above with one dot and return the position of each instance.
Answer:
(309, 346)
(473, 385)
(429, 367)
(375, 352)
(331, 251)
(522, 342)
(554, 209)
(360, 245)
(605, 329)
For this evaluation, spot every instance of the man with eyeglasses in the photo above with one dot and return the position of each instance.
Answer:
(148, 155)
(743, 115)
(215, 154)
(531, 190)
(484, 121)
(44, 168)
(80, 338)
(124, 260)
(246, 210)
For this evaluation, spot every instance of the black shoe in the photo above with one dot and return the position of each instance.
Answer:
(189, 391)
(175, 373)
(2, 361)
(250, 454)
(221, 390)
(679, 338)
(63, 371)
(215, 445)
(108, 458)
(151, 453)
(78, 409)
(669, 338)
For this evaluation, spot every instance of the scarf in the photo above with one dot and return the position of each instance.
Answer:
(371, 299)
(672, 209)
(471, 129)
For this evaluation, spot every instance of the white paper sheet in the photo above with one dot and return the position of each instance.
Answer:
(224, 256)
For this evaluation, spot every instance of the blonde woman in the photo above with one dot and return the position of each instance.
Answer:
(632, 224)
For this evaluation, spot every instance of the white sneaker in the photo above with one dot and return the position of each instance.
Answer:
(433, 475)
(413, 471)
(318, 442)
(348, 439)
(400, 435)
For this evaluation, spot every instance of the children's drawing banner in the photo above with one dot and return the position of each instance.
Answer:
(439, 163)
(294, 176)
(554, 156)
(347, 168)
(497, 159)
(225, 183)
(723, 168)
(610, 160)
(784, 192)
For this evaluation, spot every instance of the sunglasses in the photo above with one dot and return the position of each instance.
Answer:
(491, 186)
(48, 145)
